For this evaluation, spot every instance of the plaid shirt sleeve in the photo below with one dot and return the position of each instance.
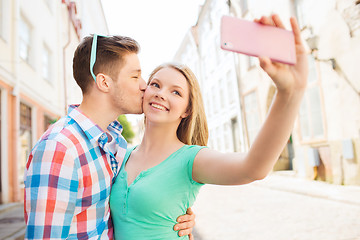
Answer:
(51, 185)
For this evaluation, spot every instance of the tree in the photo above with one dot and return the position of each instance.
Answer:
(127, 132)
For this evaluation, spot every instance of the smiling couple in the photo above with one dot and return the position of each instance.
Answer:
(80, 170)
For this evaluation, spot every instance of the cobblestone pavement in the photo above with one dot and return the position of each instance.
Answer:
(12, 225)
(268, 211)
(280, 207)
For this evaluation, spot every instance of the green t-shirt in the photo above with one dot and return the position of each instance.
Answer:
(149, 207)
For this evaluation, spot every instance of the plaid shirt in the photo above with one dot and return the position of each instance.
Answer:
(68, 178)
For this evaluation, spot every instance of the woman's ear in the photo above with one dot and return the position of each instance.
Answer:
(185, 114)
(102, 82)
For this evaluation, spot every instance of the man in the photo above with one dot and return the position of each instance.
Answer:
(70, 170)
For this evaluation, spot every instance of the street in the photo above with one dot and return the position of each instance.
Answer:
(280, 207)
(12, 225)
(259, 211)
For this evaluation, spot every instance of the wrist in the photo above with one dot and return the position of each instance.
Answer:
(290, 95)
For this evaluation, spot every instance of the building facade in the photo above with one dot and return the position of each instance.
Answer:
(324, 144)
(217, 77)
(37, 42)
(326, 138)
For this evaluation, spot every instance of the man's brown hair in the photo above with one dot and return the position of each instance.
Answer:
(110, 54)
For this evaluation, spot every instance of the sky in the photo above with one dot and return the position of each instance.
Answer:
(158, 25)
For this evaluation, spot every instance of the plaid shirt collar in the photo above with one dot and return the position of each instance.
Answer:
(91, 129)
(97, 136)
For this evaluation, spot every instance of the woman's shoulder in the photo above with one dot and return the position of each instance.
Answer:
(193, 149)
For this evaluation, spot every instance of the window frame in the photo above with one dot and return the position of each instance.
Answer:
(46, 50)
(26, 125)
(2, 20)
(255, 110)
(312, 84)
(26, 23)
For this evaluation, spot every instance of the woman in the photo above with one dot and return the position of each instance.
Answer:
(161, 177)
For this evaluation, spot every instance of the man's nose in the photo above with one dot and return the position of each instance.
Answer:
(142, 84)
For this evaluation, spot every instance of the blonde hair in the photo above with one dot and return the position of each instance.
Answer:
(193, 129)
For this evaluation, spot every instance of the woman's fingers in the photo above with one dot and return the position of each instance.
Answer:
(186, 228)
(273, 20)
(277, 21)
(268, 66)
(185, 232)
(190, 212)
(191, 237)
(296, 30)
(185, 223)
(266, 20)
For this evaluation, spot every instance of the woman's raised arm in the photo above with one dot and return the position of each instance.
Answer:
(238, 168)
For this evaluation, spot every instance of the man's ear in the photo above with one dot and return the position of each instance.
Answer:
(102, 82)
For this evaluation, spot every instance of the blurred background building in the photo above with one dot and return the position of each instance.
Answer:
(37, 42)
(38, 39)
(324, 144)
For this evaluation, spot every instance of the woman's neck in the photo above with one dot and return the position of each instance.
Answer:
(160, 137)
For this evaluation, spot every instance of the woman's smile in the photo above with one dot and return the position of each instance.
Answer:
(158, 106)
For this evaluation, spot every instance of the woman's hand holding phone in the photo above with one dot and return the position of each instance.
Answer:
(286, 77)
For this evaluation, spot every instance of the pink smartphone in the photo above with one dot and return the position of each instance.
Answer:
(255, 39)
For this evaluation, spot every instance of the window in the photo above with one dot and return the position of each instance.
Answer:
(49, 4)
(47, 122)
(227, 137)
(235, 135)
(217, 52)
(220, 140)
(351, 15)
(252, 115)
(46, 63)
(301, 13)
(211, 139)
(311, 120)
(310, 116)
(217, 139)
(0, 147)
(24, 43)
(223, 101)
(215, 95)
(231, 87)
(244, 6)
(251, 62)
(25, 137)
(208, 107)
(1, 17)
